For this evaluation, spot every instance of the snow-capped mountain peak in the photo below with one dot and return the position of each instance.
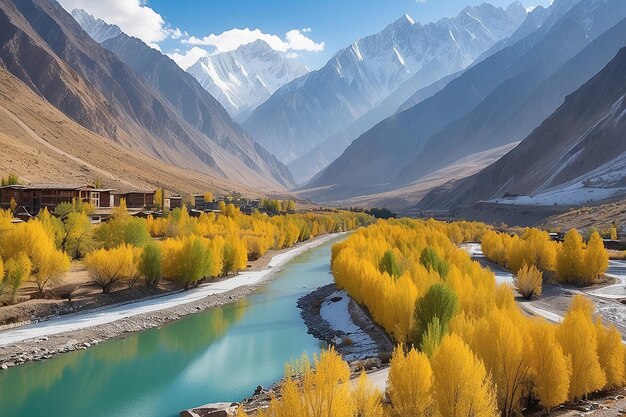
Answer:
(360, 77)
(244, 78)
(98, 29)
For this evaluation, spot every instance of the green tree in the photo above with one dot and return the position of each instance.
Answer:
(151, 264)
(431, 261)
(389, 264)
(432, 337)
(195, 261)
(439, 303)
(77, 237)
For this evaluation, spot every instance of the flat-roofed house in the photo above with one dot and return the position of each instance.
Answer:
(35, 197)
(135, 199)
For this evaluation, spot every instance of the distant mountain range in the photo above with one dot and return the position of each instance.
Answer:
(576, 157)
(155, 109)
(492, 110)
(497, 101)
(313, 108)
(244, 78)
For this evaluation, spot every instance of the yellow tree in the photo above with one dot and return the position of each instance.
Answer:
(578, 338)
(235, 256)
(596, 259)
(410, 384)
(132, 272)
(16, 270)
(158, 198)
(610, 354)
(367, 400)
(107, 267)
(529, 281)
(500, 340)
(550, 369)
(569, 260)
(324, 391)
(53, 226)
(462, 385)
(208, 197)
(47, 263)
(77, 234)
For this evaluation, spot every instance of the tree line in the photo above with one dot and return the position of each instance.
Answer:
(456, 325)
(130, 250)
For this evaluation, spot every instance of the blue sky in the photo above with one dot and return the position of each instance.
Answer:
(310, 30)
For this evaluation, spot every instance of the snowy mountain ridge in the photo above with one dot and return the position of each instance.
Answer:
(243, 79)
(311, 109)
(98, 29)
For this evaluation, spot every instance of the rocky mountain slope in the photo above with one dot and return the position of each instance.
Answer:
(312, 108)
(577, 156)
(196, 105)
(41, 144)
(244, 78)
(42, 45)
(495, 102)
(314, 161)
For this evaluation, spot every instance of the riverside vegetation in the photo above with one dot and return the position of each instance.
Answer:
(464, 346)
(127, 250)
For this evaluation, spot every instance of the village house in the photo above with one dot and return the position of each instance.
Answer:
(173, 202)
(35, 197)
(135, 199)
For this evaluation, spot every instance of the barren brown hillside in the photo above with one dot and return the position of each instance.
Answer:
(39, 143)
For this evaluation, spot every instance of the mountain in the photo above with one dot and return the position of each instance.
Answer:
(44, 47)
(306, 166)
(244, 78)
(496, 102)
(41, 144)
(196, 105)
(577, 156)
(98, 29)
(312, 108)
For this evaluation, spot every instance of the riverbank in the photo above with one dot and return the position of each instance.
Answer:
(333, 316)
(80, 331)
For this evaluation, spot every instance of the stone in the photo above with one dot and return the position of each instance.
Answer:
(4, 366)
(87, 344)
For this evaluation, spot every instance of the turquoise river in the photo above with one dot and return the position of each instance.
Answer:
(220, 354)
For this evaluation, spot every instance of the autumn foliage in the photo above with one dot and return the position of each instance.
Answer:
(572, 261)
(472, 350)
(127, 249)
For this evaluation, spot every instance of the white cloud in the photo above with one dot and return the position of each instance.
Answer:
(299, 42)
(188, 58)
(295, 40)
(134, 17)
